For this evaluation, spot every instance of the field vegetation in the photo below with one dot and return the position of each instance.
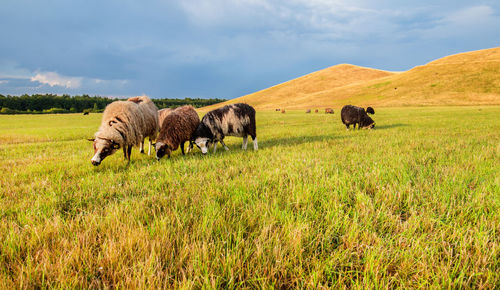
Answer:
(413, 203)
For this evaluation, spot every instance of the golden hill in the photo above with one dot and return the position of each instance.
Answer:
(471, 78)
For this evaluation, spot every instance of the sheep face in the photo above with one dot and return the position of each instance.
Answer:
(367, 123)
(203, 144)
(161, 150)
(102, 149)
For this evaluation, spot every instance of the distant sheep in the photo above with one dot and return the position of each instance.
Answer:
(370, 110)
(352, 115)
(85, 113)
(125, 124)
(315, 111)
(328, 111)
(178, 127)
(231, 120)
(308, 111)
(277, 110)
(283, 111)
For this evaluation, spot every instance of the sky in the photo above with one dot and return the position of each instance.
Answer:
(223, 48)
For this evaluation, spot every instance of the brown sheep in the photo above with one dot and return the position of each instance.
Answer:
(328, 111)
(162, 114)
(146, 105)
(177, 128)
(283, 111)
(125, 124)
(277, 110)
(308, 111)
(315, 111)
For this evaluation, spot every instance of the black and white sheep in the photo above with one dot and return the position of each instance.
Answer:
(231, 120)
(125, 124)
(352, 115)
(177, 128)
(370, 110)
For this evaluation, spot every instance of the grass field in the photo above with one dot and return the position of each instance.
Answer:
(413, 203)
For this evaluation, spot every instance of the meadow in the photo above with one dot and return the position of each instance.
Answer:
(413, 203)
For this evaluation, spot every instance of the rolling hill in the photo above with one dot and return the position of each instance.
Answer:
(471, 78)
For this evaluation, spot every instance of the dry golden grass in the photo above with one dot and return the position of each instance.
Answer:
(470, 78)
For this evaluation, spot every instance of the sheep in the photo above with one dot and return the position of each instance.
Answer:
(308, 111)
(356, 115)
(328, 111)
(125, 124)
(177, 128)
(231, 120)
(370, 110)
(149, 107)
(277, 110)
(283, 111)
(162, 114)
(315, 111)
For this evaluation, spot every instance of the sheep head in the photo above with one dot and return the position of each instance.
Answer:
(103, 147)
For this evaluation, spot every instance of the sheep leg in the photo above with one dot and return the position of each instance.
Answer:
(223, 144)
(182, 148)
(245, 142)
(347, 127)
(129, 152)
(255, 145)
(125, 152)
(149, 148)
(141, 149)
(190, 147)
(215, 147)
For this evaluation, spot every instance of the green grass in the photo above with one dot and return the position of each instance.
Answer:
(413, 203)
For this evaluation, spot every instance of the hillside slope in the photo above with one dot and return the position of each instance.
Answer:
(471, 78)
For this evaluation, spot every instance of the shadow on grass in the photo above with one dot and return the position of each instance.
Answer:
(390, 126)
(233, 149)
(297, 140)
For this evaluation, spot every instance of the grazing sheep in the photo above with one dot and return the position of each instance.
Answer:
(125, 124)
(162, 114)
(149, 108)
(370, 110)
(178, 127)
(85, 113)
(308, 111)
(356, 115)
(315, 111)
(328, 111)
(231, 120)
(283, 111)
(277, 110)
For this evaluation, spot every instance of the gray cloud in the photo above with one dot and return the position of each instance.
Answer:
(221, 48)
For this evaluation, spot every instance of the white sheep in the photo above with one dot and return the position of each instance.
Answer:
(125, 124)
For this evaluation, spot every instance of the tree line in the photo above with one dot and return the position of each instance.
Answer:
(49, 103)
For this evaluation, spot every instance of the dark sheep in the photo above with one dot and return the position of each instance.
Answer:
(315, 111)
(231, 120)
(370, 110)
(328, 111)
(356, 115)
(177, 128)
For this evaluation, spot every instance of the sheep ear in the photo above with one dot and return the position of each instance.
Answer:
(91, 139)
